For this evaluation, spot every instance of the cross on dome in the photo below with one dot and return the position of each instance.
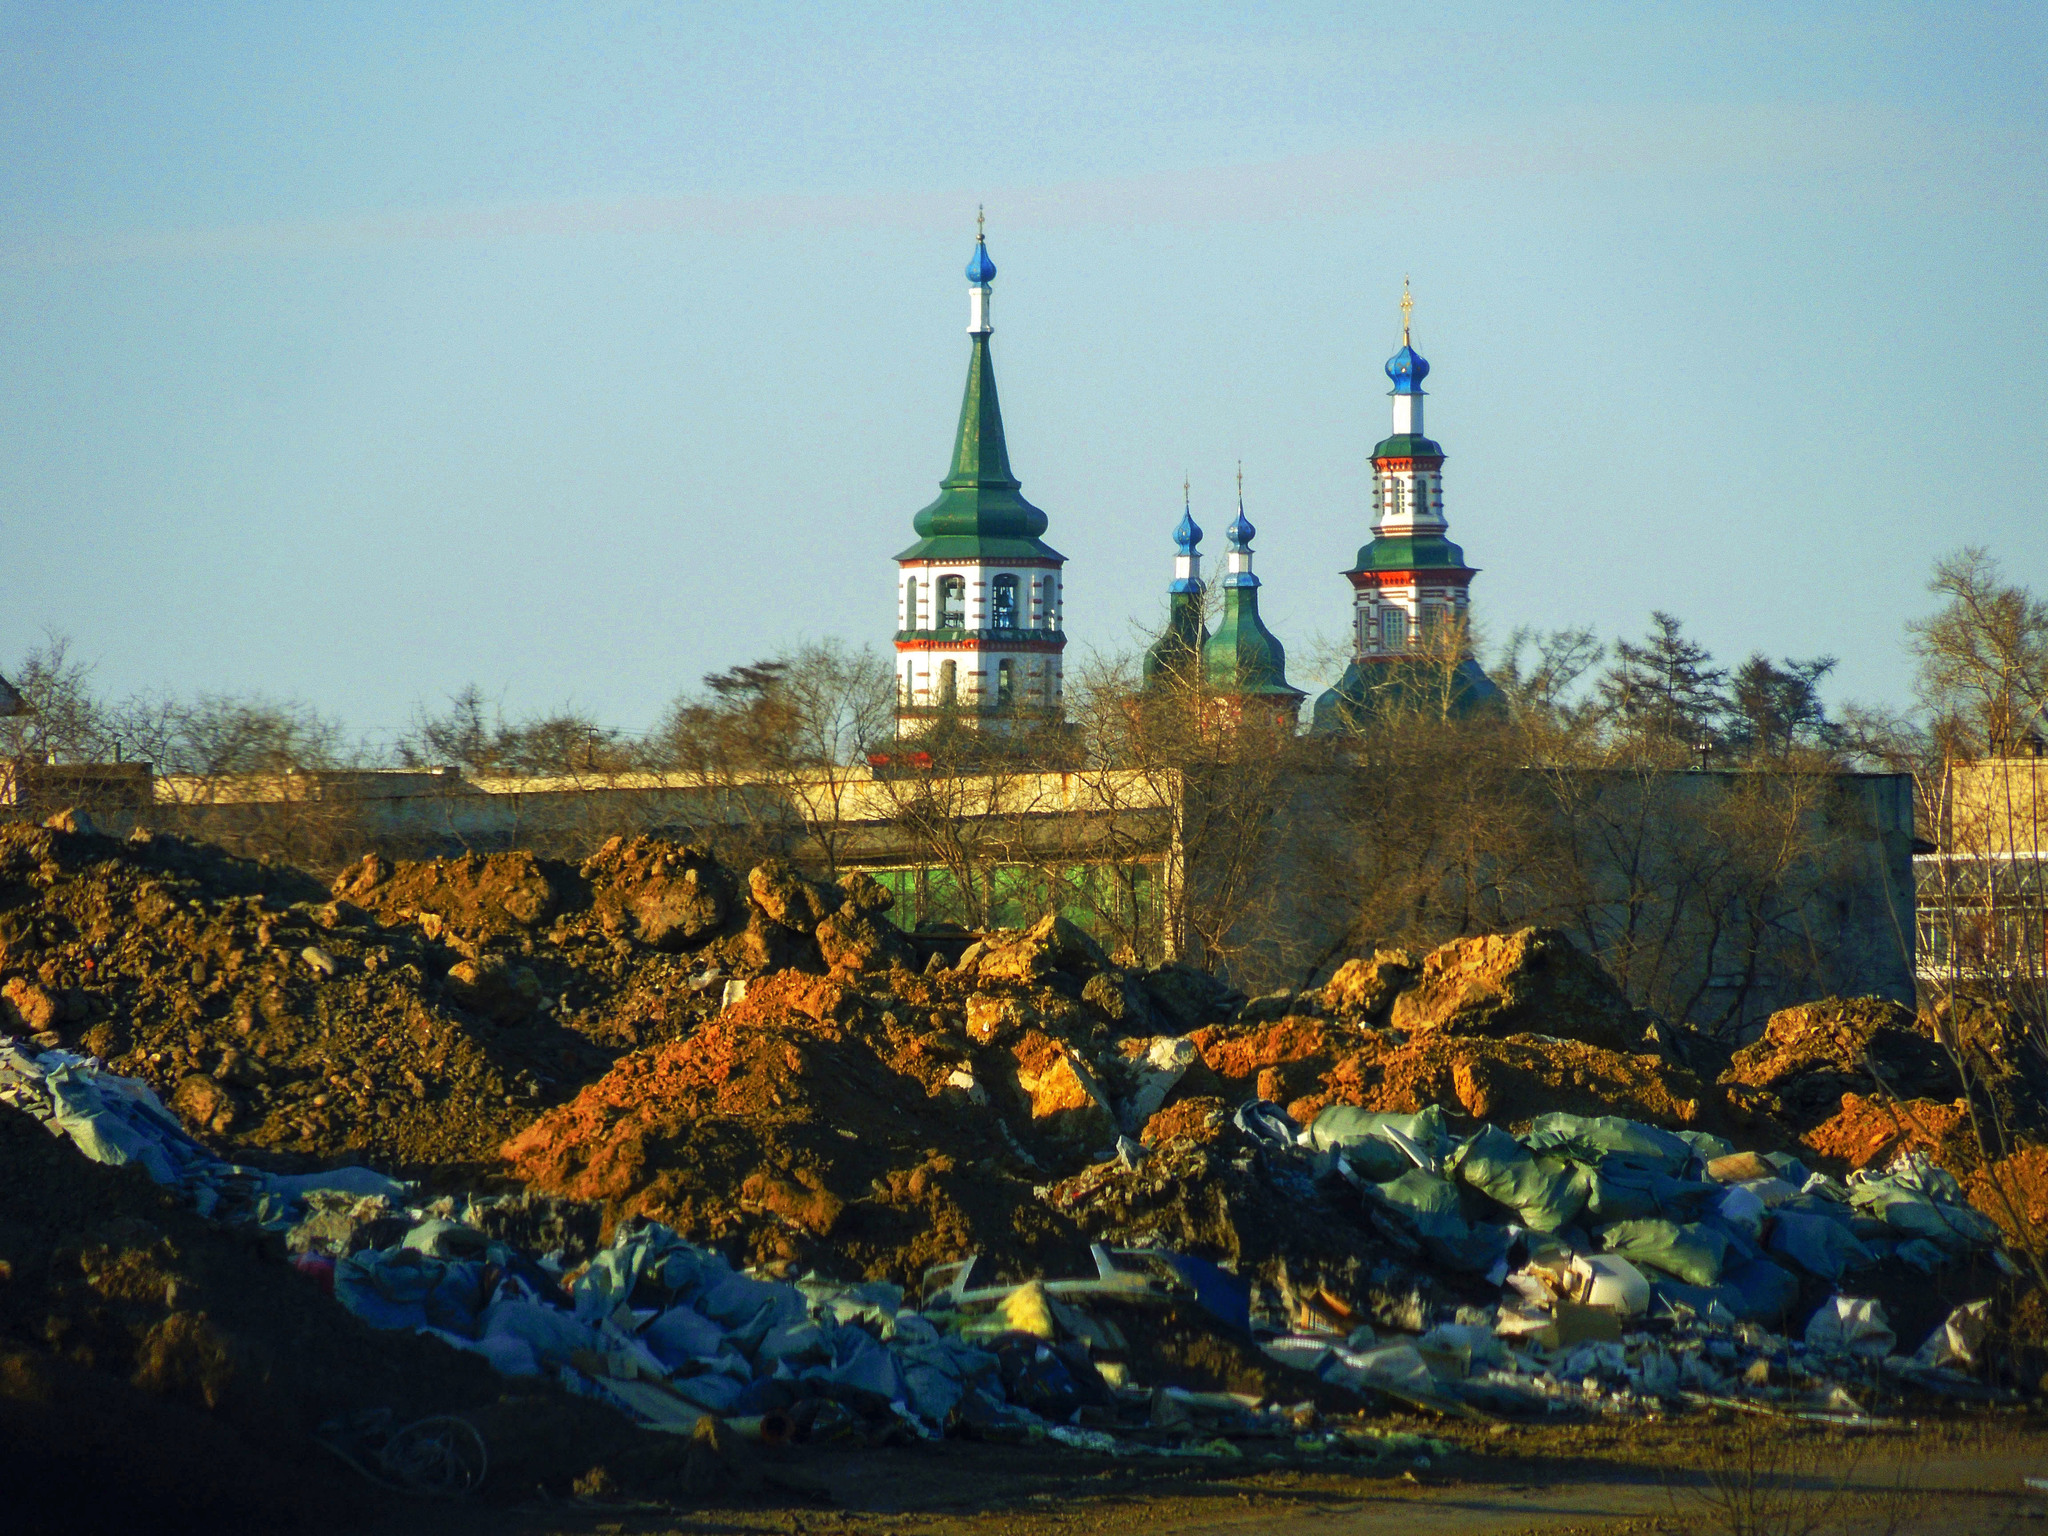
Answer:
(980, 270)
(1407, 367)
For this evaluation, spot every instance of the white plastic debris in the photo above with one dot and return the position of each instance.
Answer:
(1611, 1282)
(1955, 1343)
(1852, 1325)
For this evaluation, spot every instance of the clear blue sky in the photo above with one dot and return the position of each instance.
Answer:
(352, 352)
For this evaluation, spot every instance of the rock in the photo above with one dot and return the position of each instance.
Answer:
(1364, 990)
(1067, 1102)
(71, 820)
(1869, 1131)
(1811, 1055)
(968, 1084)
(476, 895)
(1189, 998)
(667, 895)
(856, 939)
(26, 1006)
(864, 893)
(493, 986)
(763, 945)
(202, 1103)
(319, 961)
(790, 899)
(1051, 944)
(1531, 982)
(995, 1018)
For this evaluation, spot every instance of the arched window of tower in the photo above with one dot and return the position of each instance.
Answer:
(1002, 612)
(1006, 683)
(910, 602)
(1394, 625)
(952, 603)
(949, 681)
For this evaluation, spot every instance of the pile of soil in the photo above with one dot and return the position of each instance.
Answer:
(1868, 1132)
(1809, 1056)
(808, 1125)
(414, 1015)
(281, 1024)
(159, 1372)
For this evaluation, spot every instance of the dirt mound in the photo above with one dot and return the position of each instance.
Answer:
(1535, 981)
(1870, 1132)
(2014, 1193)
(1306, 1064)
(161, 1373)
(804, 1125)
(304, 1030)
(478, 896)
(1813, 1054)
(415, 1015)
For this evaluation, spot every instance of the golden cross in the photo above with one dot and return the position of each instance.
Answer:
(1407, 308)
(1184, 492)
(1240, 485)
(979, 233)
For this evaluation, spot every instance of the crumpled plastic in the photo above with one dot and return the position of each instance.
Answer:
(1919, 1200)
(1954, 1344)
(1853, 1326)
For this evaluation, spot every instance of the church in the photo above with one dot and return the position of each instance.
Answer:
(979, 595)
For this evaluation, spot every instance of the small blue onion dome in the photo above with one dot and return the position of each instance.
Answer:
(1240, 532)
(1407, 368)
(981, 270)
(1188, 534)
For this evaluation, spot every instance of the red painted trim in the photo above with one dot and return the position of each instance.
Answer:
(1437, 576)
(1424, 462)
(966, 643)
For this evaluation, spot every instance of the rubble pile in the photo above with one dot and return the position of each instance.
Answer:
(163, 1372)
(693, 1144)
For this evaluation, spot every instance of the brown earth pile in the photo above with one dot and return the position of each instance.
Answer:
(1534, 981)
(889, 1120)
(413, 1016)
(1868, 1132)
(1809, 1056)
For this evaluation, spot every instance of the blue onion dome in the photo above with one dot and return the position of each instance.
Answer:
(1188, 534)
(1407, 368)
(981, 270)
(1240, 532)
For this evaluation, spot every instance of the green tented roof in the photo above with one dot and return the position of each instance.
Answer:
(1408, 445)
(1243, 656)
(1411, 552)
(980, 513)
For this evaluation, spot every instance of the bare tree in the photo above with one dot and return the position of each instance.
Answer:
(1983, 659)
(779, 745)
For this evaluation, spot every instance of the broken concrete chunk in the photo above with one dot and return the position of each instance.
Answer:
(1363, 990)
(1067, 1102)
(1535, 981)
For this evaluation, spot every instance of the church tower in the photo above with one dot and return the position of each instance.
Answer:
(978, 596)
(1410, 579)
(1243, 663)
(1174, 656)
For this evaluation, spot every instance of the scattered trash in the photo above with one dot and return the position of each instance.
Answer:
(441, 1457)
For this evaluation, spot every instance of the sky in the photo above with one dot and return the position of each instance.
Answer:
(354, 353)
